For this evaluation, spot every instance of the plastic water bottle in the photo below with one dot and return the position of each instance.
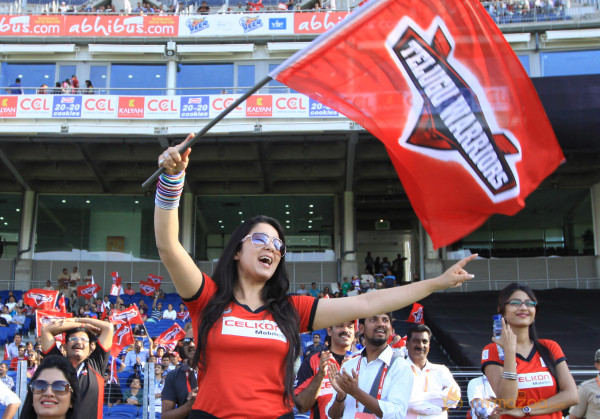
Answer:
(497, 326)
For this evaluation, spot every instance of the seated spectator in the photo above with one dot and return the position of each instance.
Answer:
(143, 314)
(142, 304)
(112, 391)
(169, 313)
(137, 355)
(160, 352)
(6, 379)
(165, 361)
(33, 361)
(183, 313)
(135, 394)
(57, 91)
(302, 290)
(129, 290)
(49, 286)
(18, 318)
(13, 348)
(389, 281)
(6, 315)
(43, 89)
(15, 88)
(20, 357)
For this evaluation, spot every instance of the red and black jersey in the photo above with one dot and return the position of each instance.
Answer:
(245, 358)
(91, 382)
(306, 373)
(534, 380)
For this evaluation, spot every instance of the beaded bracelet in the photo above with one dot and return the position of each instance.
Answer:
(509, 375)
(168, 190)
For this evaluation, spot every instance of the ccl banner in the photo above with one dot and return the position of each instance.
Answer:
(160, 107)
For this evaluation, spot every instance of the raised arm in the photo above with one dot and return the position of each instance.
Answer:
(332, 311)
(183, 271)
(105, 331)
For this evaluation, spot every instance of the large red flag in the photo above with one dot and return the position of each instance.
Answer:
(123, 337)
(438, 84)
(129, 315)
(40, 299)
(43, 317)
(87, 291)
(171, 335)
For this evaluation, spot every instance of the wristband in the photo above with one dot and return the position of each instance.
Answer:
(340, 401)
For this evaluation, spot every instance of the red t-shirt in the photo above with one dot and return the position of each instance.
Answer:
(534, 380)
(245, 358)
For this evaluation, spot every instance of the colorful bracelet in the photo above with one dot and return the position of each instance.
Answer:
(168, 190)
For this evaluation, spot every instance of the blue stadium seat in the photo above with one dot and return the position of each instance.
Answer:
(126, 409)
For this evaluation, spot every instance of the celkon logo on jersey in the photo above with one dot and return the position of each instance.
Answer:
(451, 119)
(259, 105)
(535, 379)
(8, 106)
(265, 329)
(131, 107)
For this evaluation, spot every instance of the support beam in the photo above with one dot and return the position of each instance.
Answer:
(92, 165)
(13, 170)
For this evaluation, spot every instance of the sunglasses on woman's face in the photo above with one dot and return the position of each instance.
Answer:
(263, 240)
(59, 387)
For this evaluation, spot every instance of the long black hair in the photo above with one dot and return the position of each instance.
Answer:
(61, 363)
(274, 294)
(541, 349)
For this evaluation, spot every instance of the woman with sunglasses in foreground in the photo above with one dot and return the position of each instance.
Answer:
(246, 327)
(529, 376)
(53, 391)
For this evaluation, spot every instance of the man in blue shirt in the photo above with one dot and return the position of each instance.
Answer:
(15, 88)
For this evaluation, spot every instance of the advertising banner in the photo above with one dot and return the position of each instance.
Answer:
(291, 105)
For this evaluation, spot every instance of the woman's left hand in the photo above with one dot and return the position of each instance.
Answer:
(456, 274)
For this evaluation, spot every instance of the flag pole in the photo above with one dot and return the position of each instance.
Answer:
(208, 126)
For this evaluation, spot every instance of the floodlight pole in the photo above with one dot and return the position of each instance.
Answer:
(208, 126)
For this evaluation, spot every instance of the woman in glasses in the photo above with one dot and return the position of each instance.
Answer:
(529, 376)
(33, 362)
(53, 391)
(248, 336)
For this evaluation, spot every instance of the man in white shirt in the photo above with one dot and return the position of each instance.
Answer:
(13, 348)
(10, 400)
(136, 356)
(375, 383)
(434, 390)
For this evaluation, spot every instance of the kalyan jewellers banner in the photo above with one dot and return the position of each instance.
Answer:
(159, 107)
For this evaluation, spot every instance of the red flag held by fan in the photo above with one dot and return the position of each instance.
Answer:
(147, 288)
(40, 299)
(438, 84)
(123, 337)
(155, 279)
(416, 314)
(129, 315)
(62, 306)
(43, 317)
(87, 291)
(171, 335)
